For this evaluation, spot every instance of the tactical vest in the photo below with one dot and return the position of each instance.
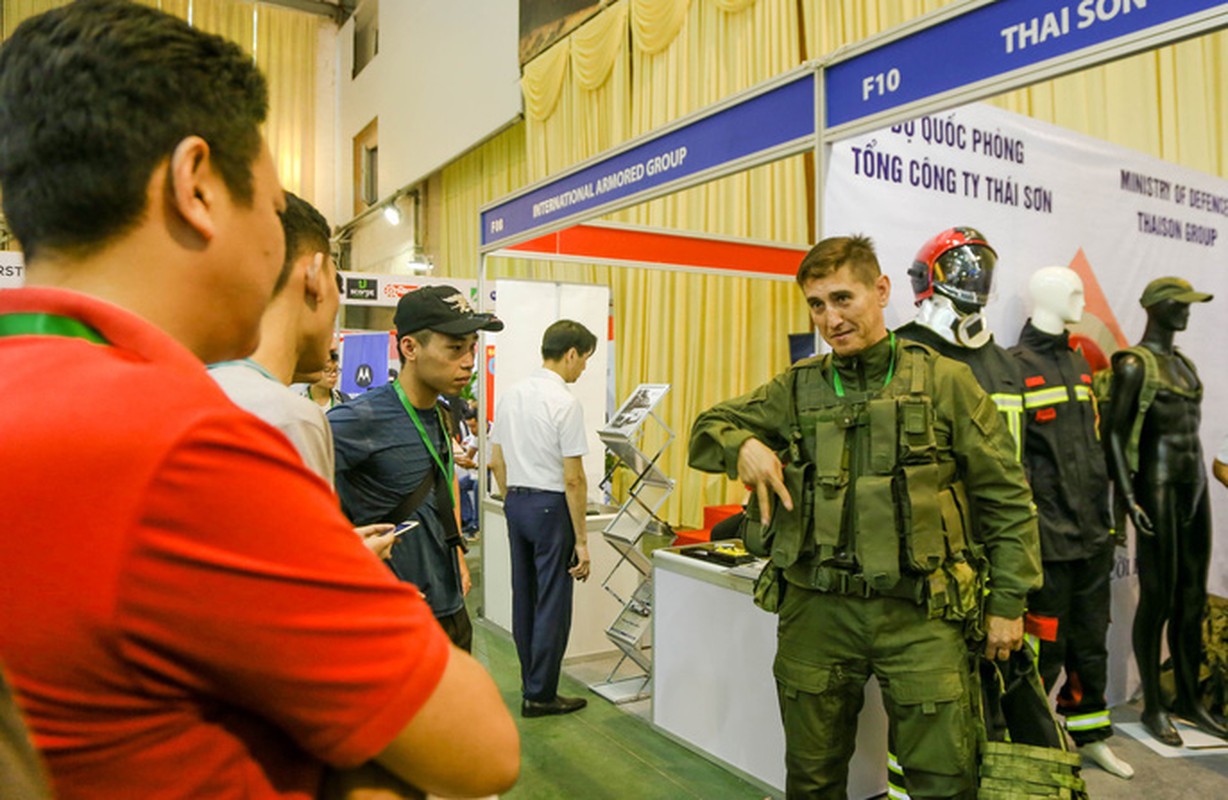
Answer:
(880, 497)
(1102, 382)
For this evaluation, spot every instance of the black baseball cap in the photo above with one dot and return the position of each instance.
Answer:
(441, 308)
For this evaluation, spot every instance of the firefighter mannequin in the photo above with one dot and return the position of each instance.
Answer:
(1156, 463)
(1070, 483)
(951, 277)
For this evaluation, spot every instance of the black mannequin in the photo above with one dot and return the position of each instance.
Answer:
(1167, 501)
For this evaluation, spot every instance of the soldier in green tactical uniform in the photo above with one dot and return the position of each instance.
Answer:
(885, 488)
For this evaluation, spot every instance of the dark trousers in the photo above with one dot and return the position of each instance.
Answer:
(459, 629)
(542, 543)
(468, 486)
(1078, 595)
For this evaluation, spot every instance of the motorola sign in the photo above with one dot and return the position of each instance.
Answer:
(363, 376)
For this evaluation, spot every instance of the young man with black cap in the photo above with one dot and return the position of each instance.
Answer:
(394, 457)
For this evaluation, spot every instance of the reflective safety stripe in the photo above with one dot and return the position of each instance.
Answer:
(1011, 406)
(1045, 397)
(1086, 722)
(1083, 394)
(895, 790)
(1007, 402)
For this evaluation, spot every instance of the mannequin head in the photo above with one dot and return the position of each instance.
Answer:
(1171, 315)
(1057, 298)
(1167, 301)
(951, 277)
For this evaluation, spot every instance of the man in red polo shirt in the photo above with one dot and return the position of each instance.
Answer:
(185, 611)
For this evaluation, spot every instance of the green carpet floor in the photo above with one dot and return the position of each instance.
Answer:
(600, 751)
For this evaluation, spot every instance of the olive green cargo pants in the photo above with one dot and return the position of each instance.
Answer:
(828, 646)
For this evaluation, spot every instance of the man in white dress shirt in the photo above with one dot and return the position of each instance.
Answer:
(539, 440)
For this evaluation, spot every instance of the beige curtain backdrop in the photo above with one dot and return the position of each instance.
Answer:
(286, 47)
(709, 336)
(284, 42)
(640, 64)
(715, 337)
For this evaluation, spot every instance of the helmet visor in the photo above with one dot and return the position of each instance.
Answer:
(965, 274)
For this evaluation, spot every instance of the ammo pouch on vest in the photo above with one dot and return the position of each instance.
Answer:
(877, 458)
(787, 537)
(909, 511)
(955, 593)
(769, 588)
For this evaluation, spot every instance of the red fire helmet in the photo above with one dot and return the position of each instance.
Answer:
(957, 263)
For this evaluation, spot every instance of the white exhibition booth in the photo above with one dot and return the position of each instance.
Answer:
(896, 162)
(527, 308)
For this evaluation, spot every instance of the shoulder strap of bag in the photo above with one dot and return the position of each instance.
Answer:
(447, 513)
(1146, 394)
(410, 502)
(433, 479)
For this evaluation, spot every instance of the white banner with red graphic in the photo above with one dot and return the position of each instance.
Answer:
(382, 289)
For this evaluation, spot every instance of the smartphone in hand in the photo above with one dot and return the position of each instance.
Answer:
(405, 527)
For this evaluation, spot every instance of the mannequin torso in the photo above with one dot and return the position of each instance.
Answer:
(1170, 431)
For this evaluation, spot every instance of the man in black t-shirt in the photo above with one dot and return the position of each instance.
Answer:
(394, 458)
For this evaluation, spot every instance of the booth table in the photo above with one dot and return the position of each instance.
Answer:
(713, 688)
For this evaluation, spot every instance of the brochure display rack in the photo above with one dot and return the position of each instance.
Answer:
(649, 488)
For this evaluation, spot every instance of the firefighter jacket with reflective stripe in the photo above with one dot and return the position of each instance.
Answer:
(993, 368)
(849, 487)
(1062, 451)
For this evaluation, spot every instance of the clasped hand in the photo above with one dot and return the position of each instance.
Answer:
(1002, 635)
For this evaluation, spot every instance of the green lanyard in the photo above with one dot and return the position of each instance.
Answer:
(835, 374)
(426, 440)
(37, 324)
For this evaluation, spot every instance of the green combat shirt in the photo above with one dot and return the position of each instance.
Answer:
(964, 416)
